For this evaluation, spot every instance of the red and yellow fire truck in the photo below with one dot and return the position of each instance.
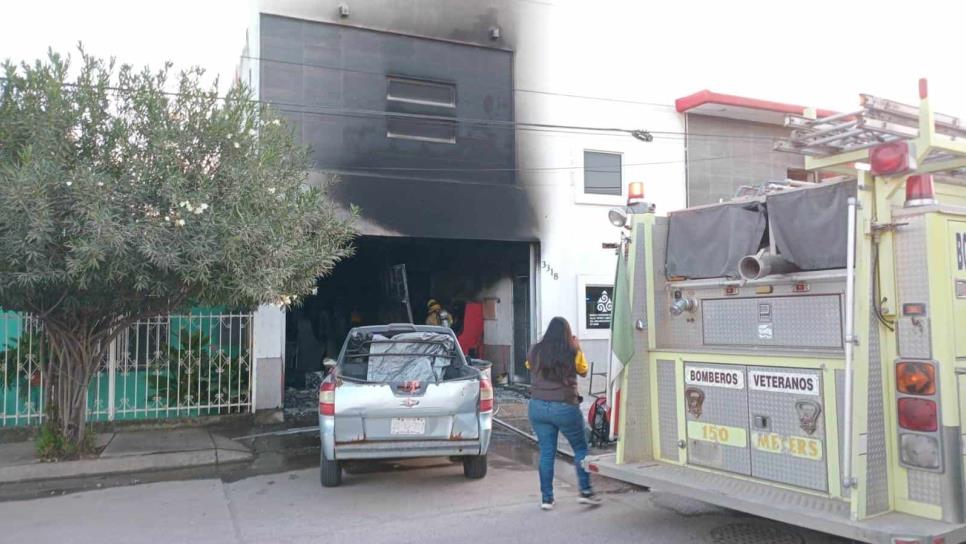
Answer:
(799, 352)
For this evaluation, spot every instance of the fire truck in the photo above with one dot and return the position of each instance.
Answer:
(799, 352)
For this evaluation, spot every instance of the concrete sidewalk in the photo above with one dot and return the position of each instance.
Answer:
(120, 452)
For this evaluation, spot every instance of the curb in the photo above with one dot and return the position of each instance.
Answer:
(119, 465)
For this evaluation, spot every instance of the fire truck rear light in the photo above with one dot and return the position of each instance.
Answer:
(890, 158)
(592, 467)
(731, 290)
(920, 191)
(906, 541)
(914, 309)
(800, 287)
(327, 399)
(918, 415)
(919, 451)
(916, 378)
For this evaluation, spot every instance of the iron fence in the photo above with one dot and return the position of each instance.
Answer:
(165, 367)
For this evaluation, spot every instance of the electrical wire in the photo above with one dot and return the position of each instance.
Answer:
(289, 107)
(513, 89)
(877, 302)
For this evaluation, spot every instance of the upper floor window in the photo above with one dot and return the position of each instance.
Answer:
(426, 130)
(602, 173)
(426, 93)
(420, 105)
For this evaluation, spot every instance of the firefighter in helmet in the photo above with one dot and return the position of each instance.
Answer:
(437, 315)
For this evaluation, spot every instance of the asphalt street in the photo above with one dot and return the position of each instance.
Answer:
(425, 501)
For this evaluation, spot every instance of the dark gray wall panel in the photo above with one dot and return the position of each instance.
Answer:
(331, 81)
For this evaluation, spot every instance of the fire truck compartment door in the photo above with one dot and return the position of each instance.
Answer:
(957, 273)
(787, 427)
(716, 411)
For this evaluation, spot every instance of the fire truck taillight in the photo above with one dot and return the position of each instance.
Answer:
(920, 191)
(918, 415)
(919, 450)
(891, 158)
(916, 378)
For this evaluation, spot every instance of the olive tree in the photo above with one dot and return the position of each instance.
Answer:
(127, 194)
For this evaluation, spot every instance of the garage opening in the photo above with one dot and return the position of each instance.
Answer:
(484, 285)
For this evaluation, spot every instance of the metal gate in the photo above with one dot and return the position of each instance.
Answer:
(165, 367)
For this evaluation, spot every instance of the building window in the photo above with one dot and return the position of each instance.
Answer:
(425, 130)
(426, 93)
(602, 173)
(422, 107)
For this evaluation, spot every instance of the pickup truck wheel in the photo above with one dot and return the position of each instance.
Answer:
(330, 472)
(474, 467)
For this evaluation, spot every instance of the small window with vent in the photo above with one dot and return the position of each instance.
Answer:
(426, 93)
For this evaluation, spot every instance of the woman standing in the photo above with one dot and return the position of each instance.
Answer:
(554, 364)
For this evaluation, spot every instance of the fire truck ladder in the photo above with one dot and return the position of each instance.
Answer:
(879, 121)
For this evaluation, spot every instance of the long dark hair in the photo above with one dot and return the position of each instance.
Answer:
(553, 356)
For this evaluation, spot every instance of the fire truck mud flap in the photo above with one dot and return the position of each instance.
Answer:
(769, 501)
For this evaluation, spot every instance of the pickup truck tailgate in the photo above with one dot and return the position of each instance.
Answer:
(443, 411)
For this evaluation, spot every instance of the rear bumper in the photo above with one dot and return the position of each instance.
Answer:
(775, 502)
(401, 449)
(397, 449)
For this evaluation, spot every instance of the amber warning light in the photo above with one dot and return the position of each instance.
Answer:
(635, 192)
(916, 378)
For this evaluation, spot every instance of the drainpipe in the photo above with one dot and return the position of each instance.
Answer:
(850, 341)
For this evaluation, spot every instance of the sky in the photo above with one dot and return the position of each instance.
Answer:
(821, 52)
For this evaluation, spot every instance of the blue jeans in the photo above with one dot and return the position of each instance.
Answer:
(547, 419)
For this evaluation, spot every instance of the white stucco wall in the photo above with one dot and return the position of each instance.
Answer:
(575, 65)
(269, 353)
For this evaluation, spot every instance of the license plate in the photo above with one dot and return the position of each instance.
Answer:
(407, 425)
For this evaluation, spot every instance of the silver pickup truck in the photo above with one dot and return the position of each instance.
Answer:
(401, 391)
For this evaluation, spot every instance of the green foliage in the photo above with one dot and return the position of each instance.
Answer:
(127, 192)
(197, 372)
(52, 445)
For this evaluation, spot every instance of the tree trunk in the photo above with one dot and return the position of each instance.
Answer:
(74, 358)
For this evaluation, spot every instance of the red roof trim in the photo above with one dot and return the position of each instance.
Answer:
(708, 97)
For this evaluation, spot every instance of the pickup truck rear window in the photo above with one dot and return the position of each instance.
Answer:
(415, 356)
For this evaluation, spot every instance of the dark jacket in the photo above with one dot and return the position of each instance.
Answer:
(557, 391)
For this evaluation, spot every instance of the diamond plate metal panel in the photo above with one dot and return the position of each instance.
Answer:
(721, 406)
(783, 419)
(925, 486)
(637, 440)
(910, 256)
(667, 408)
(914, 337)
(877, 468)
(797, 322)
